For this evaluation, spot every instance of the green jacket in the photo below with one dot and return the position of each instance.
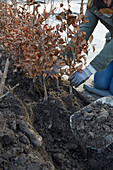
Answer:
(93, 16)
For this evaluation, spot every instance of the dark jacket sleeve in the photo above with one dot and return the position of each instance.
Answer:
(106, 54)
(90, 26)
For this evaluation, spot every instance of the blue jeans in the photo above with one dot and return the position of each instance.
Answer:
(104, 79)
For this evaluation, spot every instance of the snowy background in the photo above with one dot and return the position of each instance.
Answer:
(99, 33)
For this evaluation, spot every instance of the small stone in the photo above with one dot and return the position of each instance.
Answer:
(107, 128)
(88, 116)
(109, 138)
(78, 127)
(104, 112)
(103, 115)
(91, 134)
(82, 126)
(106, 106)
(89, 109)
(98, 127)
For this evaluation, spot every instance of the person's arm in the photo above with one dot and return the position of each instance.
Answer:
(89, 27)
(104, 57)
(78, 78)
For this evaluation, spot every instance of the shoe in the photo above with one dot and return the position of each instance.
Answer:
(91, 89)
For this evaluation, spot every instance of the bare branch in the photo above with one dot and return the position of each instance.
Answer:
(4, 77)
(10, 90)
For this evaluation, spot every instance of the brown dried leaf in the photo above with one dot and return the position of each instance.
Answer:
(58, 17)
(93, 48)
(61, 5)
(91, 39)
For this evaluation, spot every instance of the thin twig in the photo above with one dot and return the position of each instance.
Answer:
(4, 77)
(45, 92)
(10, 90)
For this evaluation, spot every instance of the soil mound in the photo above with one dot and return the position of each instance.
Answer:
(36, 135)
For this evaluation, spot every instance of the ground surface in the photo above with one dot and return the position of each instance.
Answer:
(94, 125)
(36, 135)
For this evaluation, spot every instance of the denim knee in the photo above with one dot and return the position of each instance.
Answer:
(102, 78)
(101, 81)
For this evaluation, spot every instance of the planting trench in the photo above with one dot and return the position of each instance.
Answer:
(37, 135)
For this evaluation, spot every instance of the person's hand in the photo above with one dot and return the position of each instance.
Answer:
(78, 78)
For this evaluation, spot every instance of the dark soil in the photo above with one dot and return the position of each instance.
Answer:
(36, 135)
(94, 125)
